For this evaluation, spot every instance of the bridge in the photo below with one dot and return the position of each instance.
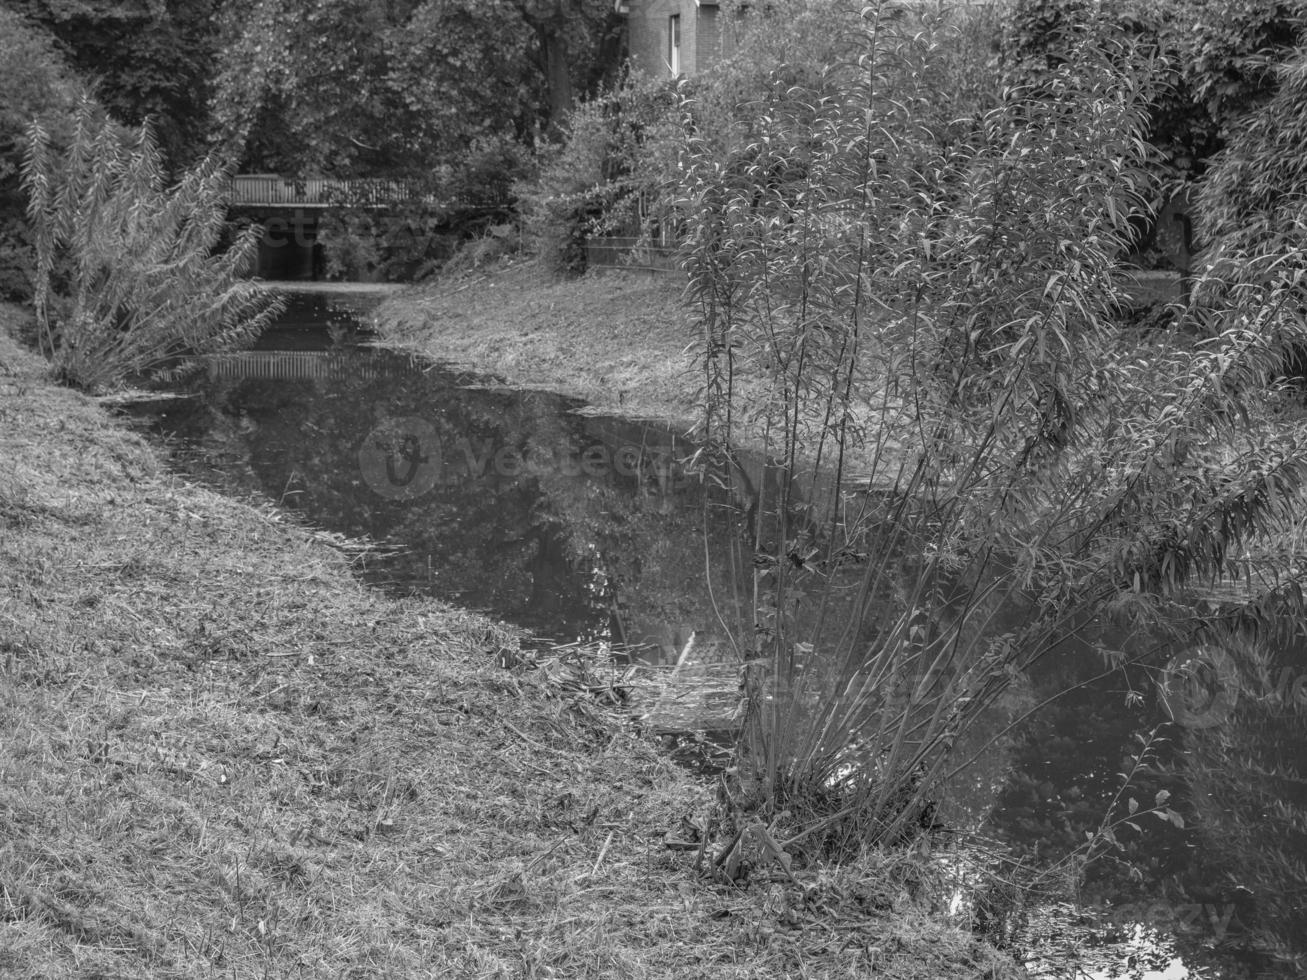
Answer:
(291, 209)
(264, 191)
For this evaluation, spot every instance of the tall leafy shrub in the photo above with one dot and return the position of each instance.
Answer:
(912, 312)
(130, 278)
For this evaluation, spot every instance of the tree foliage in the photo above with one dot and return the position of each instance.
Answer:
(303, 88)
(347, 89)
(129, 278)
(145, 60)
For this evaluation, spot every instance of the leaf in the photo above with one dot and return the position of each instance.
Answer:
(1133, 804)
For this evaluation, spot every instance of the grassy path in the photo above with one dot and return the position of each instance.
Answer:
(221, 756)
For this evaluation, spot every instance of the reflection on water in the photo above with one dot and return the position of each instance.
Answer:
(500, 500)
(578, 526)
(1212, 882)
(497, 500)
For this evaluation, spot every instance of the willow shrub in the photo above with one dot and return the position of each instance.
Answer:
(130, 277)
(914, 311)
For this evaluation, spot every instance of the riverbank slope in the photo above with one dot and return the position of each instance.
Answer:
(617, 339)
(220, 755)
(622, 341)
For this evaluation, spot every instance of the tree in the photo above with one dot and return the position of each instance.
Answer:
(442, 71)
(145, 60)
(576, 45)
(304, 88)
(351, 89)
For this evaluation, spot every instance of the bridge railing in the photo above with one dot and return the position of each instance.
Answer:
(275, 190)
(302, 365)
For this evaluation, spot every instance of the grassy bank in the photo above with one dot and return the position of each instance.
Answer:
(616, 339)
(222, 756)
(622, 341)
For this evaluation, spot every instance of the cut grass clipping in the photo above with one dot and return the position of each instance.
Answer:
(220, 755)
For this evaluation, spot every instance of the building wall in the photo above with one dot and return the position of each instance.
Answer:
(647, 25)
(647, 34)
(707, 39)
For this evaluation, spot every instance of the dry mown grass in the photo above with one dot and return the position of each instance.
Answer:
(222, 756)
(617, 339)
(620, 340)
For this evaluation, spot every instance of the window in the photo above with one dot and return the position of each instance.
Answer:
(674, 43)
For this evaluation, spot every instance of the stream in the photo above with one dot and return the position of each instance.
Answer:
(578, 526)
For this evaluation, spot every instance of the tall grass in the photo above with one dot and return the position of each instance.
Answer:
(913, 306)
(131, 275)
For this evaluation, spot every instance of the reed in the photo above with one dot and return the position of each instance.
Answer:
(131, 275)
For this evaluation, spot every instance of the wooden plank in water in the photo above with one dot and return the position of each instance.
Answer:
(691, 698)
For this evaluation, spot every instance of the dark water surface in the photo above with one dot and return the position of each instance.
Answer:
(507, 501)
(580, 526)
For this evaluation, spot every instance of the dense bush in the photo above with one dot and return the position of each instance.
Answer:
(129, 279)
(146, 61)
(481, 213)
(603, 176)
(1253, 216)
(480, 189)
(617, 172)
(350, 241)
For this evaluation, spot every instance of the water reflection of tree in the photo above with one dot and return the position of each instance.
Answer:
(1233, 878)
(567, 551)
(1067, 769)
(1248, 789)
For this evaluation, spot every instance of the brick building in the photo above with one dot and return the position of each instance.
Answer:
(669, 38)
